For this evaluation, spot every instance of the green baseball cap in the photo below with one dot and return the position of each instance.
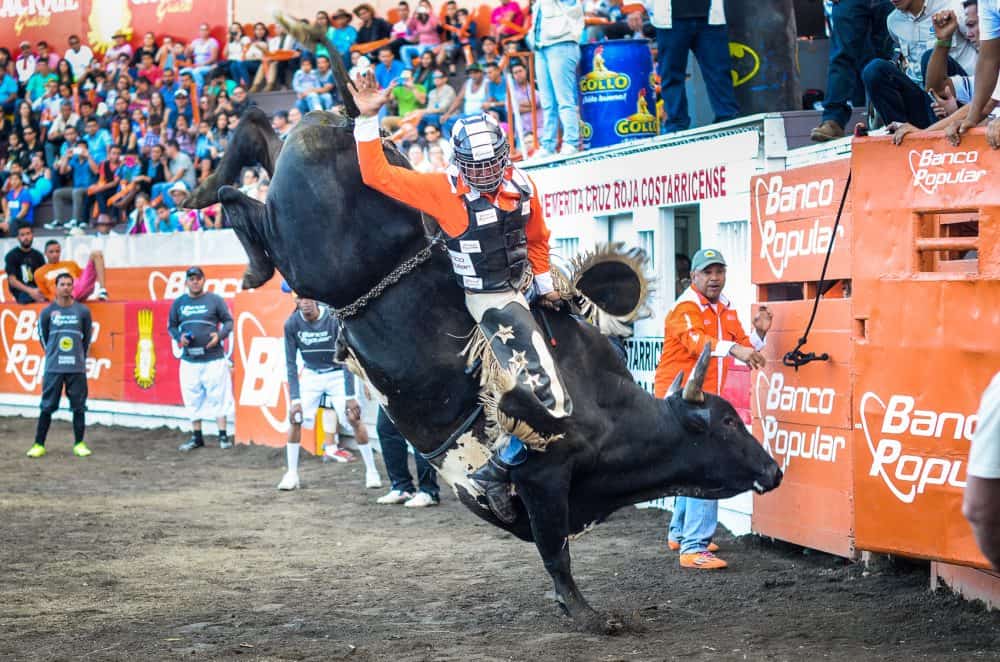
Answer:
(706, 257)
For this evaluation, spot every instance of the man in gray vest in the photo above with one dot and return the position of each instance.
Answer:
(199, 322)
(64, 328)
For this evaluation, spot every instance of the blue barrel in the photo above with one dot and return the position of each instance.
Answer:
(617, 93)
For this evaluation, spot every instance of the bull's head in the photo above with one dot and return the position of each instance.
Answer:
(720, 458)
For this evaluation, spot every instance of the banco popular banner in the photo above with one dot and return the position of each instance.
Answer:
(96, 21)
(792, 216)
(23, 358)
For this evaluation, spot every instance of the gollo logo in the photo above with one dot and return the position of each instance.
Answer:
(263, 360)
(602, 79)
(904, 474)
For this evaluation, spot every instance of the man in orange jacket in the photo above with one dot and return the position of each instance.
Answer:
(498, 242)
(701, 316)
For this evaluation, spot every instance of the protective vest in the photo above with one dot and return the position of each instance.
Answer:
(492, 254)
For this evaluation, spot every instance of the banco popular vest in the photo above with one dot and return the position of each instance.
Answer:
(492, 254)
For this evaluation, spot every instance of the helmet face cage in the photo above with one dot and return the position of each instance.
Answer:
(486, 174)
(481, 152)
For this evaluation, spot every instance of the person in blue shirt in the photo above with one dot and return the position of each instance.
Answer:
(98, 140)
(306, 85)
(343, 35)
(8, 92)
(496, 92)
(166, 220)
(18, 211)
(388, 68)
(142, 219)
(80, 169)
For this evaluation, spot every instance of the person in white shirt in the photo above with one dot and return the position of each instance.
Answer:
(987, 70)
(898, 94)
(25, 63)
(981, 505)
(79, 57)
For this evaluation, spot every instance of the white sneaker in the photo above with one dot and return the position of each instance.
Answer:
(101, 293)
(421, 500)
(372, 480)
(394, 497)
(541, 153)
(567, 149)
(290, 481)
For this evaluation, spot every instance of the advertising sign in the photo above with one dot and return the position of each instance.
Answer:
(97, 22)
(792, 219)
(925, 337)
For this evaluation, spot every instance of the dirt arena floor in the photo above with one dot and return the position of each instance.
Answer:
(144, 553)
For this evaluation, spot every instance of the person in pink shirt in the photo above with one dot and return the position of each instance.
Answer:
(510, 12)
(422, 26)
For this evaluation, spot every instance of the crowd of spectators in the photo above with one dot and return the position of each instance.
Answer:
(120, 140)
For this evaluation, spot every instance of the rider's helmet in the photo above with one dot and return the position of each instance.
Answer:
(480, 151)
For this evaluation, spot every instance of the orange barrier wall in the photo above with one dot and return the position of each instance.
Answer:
(926, 330)
(803, 417)
(875, 440)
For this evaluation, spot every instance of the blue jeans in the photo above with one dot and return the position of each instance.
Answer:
(315, 101)
(396, 459)
(410, 51)
(859, 35)
(710, 45)
(555, 71)
(242, 71)
(895, 96)
(694, 523)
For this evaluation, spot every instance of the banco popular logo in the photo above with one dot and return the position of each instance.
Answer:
(642, 122)
(23, 354)
(933, 169)
(774, 398)
(172, 285)
(263, 359)
(909, 475)
(601, 79)
(779, 247)
(21, 348)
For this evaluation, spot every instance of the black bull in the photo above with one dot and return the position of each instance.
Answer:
(334, 239)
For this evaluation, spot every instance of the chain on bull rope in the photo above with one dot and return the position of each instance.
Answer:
(390, 279)
(797, 358)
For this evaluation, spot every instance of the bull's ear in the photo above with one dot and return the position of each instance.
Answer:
(249, 218)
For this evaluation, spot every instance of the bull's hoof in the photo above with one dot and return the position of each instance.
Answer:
(596, 623)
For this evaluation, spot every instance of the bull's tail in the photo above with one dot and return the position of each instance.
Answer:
(306, 33)
(248, 218)
(253, 143)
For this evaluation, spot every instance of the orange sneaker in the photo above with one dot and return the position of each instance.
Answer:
(702, 561)
(675, 546)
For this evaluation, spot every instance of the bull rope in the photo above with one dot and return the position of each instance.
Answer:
(387, 281)
(796, 358)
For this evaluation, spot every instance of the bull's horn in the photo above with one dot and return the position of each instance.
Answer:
(308, 34)
(676, 386)
(693, 388)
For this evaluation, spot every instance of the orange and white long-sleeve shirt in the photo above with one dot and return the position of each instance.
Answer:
(692, 323)
(433, 194)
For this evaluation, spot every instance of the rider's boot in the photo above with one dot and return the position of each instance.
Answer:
(494, 477)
